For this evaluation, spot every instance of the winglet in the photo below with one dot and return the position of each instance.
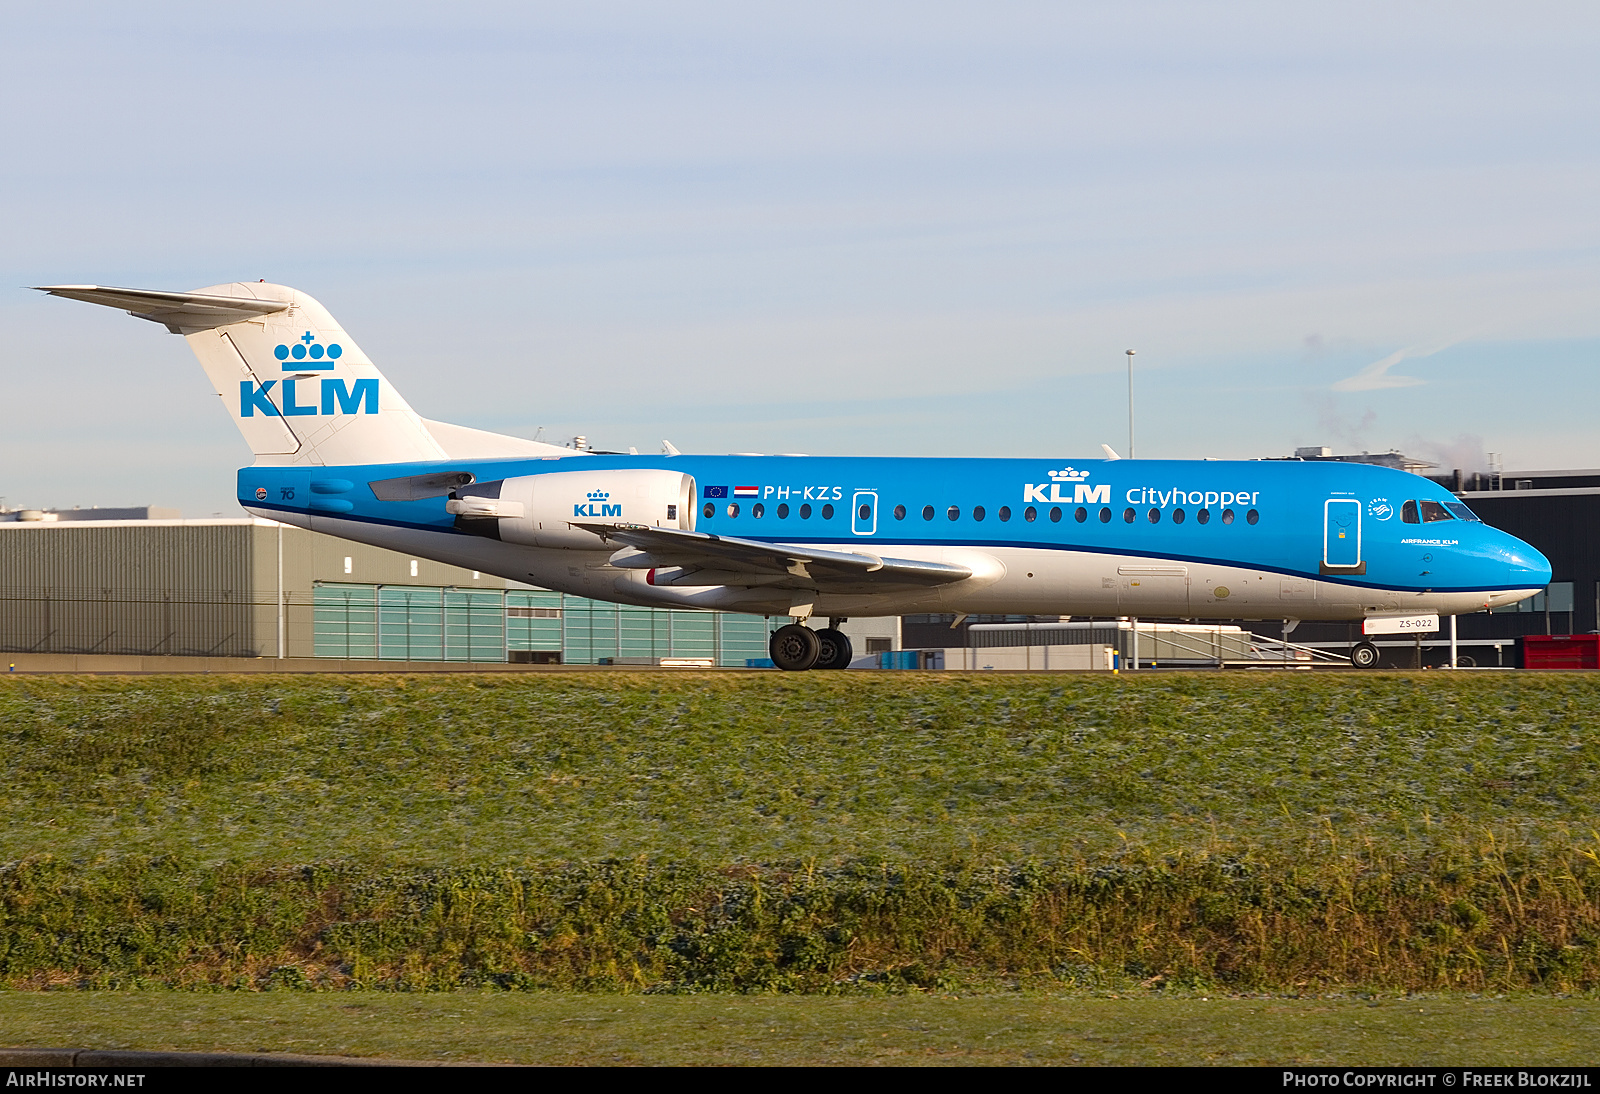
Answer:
(670, 449)
(1110, 454)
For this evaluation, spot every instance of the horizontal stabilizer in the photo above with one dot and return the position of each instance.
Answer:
(811, 566)
(465, 443)
(177, 311)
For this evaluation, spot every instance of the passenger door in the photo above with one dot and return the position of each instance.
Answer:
(1341, 536)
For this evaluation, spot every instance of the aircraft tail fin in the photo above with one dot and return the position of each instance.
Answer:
(297, 386)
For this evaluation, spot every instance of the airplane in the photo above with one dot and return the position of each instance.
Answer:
(339, 451)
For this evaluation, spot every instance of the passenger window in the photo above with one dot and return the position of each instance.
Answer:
(954, 512)
(710, 510)
(1055, 514)
(1080, 515)
(899, 512)
(1005, 513)
(865, 512)
(1227, 516)
(758, 510)
(783, 511)
(827, 512)
(977, 512)
(1177, 516)
(805, 512)
(733, 508)
(1432, 511)
(1203, 516)
(1127, 516)
(1252, 516)
(1030, 514)
(1154, 516)
(927, 512)
(1105, 516)
(1408, 513)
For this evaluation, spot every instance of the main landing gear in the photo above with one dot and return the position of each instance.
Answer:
(1364, 655)
(795, 648)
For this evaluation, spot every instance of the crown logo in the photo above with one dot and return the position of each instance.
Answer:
(1069, 475)
(307, 346)
(599, 495)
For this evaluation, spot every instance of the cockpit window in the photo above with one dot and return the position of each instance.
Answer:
(1408, 513)
(1432, 511)
(1462, 511)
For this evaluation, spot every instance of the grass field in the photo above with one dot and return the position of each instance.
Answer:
(516, 1027)
(818, 833)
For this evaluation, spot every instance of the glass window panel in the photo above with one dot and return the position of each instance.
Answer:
(742, 638)
(410, 624)
(694, 634)
(344, 621)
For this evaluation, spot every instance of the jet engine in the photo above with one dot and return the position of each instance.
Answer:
(545, 510)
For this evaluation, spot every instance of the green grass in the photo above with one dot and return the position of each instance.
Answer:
(824, 833)
(759, 768)
(993, 1029)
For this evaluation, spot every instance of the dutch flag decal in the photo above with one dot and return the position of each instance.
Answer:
(746, 491)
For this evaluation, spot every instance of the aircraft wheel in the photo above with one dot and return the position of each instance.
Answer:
(1465, 662)
(1364, 655)
(794, 648)
(835, 649)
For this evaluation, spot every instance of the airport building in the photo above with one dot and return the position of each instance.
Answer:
(72, 582)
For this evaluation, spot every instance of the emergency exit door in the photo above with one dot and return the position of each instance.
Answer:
(1341, 536)
(864, 512)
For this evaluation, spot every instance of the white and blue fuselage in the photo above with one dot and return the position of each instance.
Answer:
(1151, 538)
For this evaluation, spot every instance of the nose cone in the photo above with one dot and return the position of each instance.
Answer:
(1514, 565)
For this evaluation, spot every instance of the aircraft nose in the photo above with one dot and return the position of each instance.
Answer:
(1524, 566)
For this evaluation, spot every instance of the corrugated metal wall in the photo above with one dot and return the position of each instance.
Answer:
(147, 589)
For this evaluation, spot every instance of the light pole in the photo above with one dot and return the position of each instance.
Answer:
(1130, 404)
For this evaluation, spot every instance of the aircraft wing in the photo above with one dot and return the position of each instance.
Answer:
(724, 558)
(187, 310)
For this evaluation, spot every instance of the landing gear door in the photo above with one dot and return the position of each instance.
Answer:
(864, 512)
(1341, 537)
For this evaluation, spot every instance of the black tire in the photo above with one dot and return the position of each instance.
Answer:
(1364, 655)
(1465, 662)
(835, 649)
(794, 648)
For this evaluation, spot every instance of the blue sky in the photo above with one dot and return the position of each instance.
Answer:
(855, 228)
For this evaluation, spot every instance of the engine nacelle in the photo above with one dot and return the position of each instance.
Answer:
(543, 510)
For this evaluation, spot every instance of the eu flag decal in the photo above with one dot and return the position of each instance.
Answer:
(714, 492)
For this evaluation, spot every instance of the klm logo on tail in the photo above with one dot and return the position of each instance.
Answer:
(333, 396)
(308, 354)
(597, 506)
(357, 397)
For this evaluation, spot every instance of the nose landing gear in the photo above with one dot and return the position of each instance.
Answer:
(795, 648)
(1364, 655)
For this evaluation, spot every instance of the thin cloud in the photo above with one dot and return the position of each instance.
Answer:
(1376, 376)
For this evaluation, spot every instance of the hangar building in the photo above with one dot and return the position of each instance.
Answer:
(71, 582)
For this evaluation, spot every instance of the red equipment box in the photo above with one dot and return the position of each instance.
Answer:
(1560, 651)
